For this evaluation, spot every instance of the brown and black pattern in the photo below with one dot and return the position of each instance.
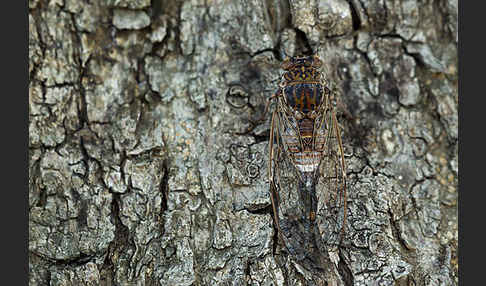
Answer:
(306, 157)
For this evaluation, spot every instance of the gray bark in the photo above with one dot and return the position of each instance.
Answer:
(137, 175)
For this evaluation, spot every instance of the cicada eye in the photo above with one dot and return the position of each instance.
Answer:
(316, 62)
(306, 63)
(286, 64)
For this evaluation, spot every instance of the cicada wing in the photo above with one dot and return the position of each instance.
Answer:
(331, 188)
(286, 177)
(292, 215)
(272, 169)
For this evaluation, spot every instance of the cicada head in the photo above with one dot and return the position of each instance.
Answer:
(316, 61)
(301, 61)
(286, 64)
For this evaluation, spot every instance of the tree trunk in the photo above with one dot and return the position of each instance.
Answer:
(138, 173)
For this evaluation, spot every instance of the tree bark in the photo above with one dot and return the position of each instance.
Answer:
(138, 174)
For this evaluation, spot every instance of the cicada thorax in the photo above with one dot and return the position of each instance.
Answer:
(303, 96)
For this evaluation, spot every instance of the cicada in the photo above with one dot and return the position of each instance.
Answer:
(307, 172)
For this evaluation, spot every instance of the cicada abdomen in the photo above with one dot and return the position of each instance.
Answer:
(306, 158)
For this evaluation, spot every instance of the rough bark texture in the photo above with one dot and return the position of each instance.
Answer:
(137, 176)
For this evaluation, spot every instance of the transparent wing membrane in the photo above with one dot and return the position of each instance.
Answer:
(306, 167)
